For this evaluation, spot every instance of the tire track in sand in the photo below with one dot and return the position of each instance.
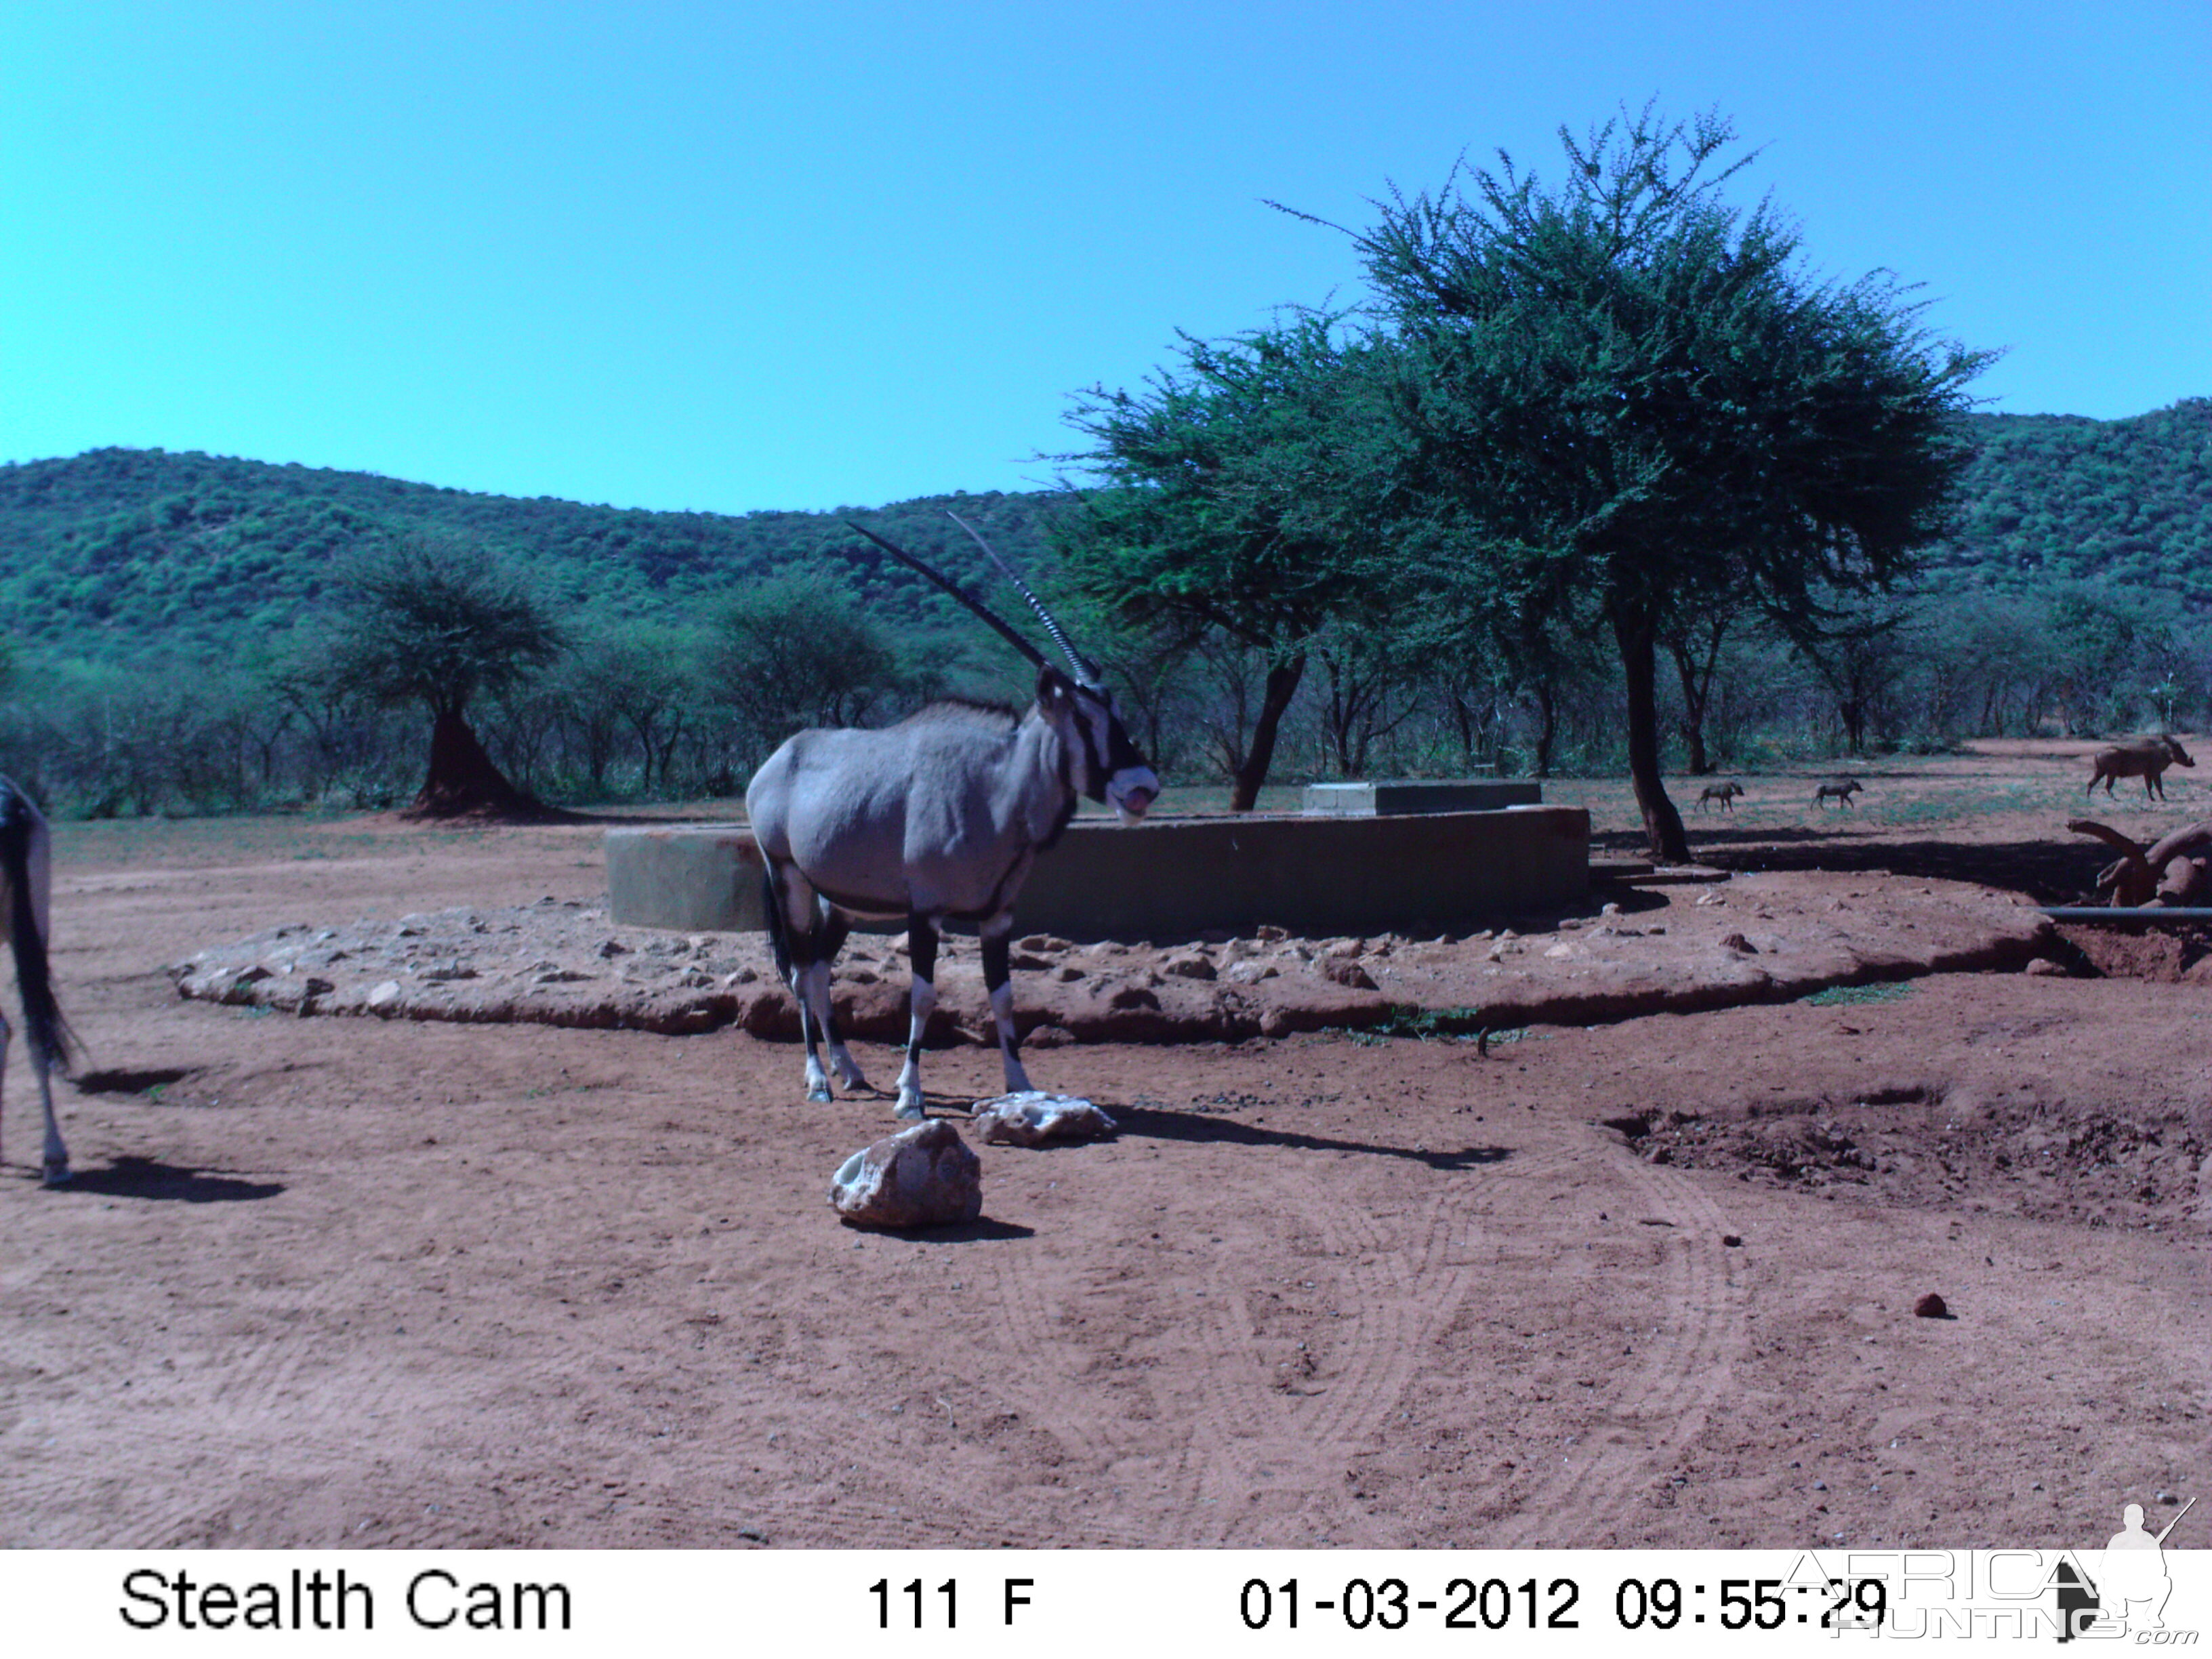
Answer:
(1659, 1407)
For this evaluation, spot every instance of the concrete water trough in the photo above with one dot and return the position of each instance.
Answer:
(1393, 798)
(1314, 875)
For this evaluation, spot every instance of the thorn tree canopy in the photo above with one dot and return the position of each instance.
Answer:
(437, 622)
(1628, 396)
(1243, 494)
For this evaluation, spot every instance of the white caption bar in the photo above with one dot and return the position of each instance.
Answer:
(927, 1602)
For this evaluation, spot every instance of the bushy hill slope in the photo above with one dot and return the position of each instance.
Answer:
(120, 553)
(2057, 498)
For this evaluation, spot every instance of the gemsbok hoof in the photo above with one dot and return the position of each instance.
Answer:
(56, 1175)
(820, 1093)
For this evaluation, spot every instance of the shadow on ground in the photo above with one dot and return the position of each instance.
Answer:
(150, 1178)
(2061, 872)
(1162, 1123)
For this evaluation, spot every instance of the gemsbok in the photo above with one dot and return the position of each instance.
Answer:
(939, 817)
(25, 883)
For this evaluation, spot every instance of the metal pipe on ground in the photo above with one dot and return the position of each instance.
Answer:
(2125, 915)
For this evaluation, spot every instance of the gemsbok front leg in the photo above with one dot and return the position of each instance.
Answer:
(920, 1004)
(998, 979)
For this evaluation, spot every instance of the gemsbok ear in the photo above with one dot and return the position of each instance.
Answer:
(1054, 689)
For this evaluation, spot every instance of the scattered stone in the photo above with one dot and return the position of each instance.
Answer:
(1739, 944)
(2044, 967)
(545, 963)
(924, 1177)
(1190, 966)
(1560, 951)
(1732, 1240)
(1930, 1306)
(613, 947)
(1034, 1118)
(1709, 896)
(1608, 909)
(384, 996)
(1049, 1036)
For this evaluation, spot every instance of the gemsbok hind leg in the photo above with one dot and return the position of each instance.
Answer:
(26, 886)
(920, 1003)
(809, 937)
(998, 979)
(55, 1165)
(829, 939)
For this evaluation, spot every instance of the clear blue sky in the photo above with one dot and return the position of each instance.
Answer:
(727, 256)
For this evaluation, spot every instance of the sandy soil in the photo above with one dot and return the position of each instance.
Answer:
(406, 1282)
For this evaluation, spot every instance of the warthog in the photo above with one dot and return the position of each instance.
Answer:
(1725, 793)
(1837, 789)
(2145, 757)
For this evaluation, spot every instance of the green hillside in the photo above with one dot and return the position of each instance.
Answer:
(122, 553)
(118, 553)
(2057, 498)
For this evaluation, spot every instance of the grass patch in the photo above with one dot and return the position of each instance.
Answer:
(1839, 996)
(1405, 1019)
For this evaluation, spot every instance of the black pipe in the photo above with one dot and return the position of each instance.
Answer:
(2124, 915)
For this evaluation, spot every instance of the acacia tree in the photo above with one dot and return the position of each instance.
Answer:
(1245, 494)
(436, 624)
(1625, 393)
(794, 651)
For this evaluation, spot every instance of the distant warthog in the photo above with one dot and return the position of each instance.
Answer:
(1725, 793)
(2143, 757)
(1838, 789)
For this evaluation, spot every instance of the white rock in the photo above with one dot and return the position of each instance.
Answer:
(924, 1177)
(1034, 1118)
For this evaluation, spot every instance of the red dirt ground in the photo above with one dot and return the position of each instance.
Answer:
(335, 1280)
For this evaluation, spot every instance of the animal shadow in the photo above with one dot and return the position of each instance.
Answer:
(151, 1178)
(1164, 1123)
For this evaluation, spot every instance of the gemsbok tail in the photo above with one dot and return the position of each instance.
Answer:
(778, 930)
(45, 1030)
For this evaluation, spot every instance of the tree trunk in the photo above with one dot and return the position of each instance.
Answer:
(1548, 725)
(1282, 686)
(463, 782)
(1662, 825)
(1697, 696)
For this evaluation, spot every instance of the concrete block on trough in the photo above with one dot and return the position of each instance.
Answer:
(1386, 798)
(1319, 876)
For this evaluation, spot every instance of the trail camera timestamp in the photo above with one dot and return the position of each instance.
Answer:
(1496, 1604)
